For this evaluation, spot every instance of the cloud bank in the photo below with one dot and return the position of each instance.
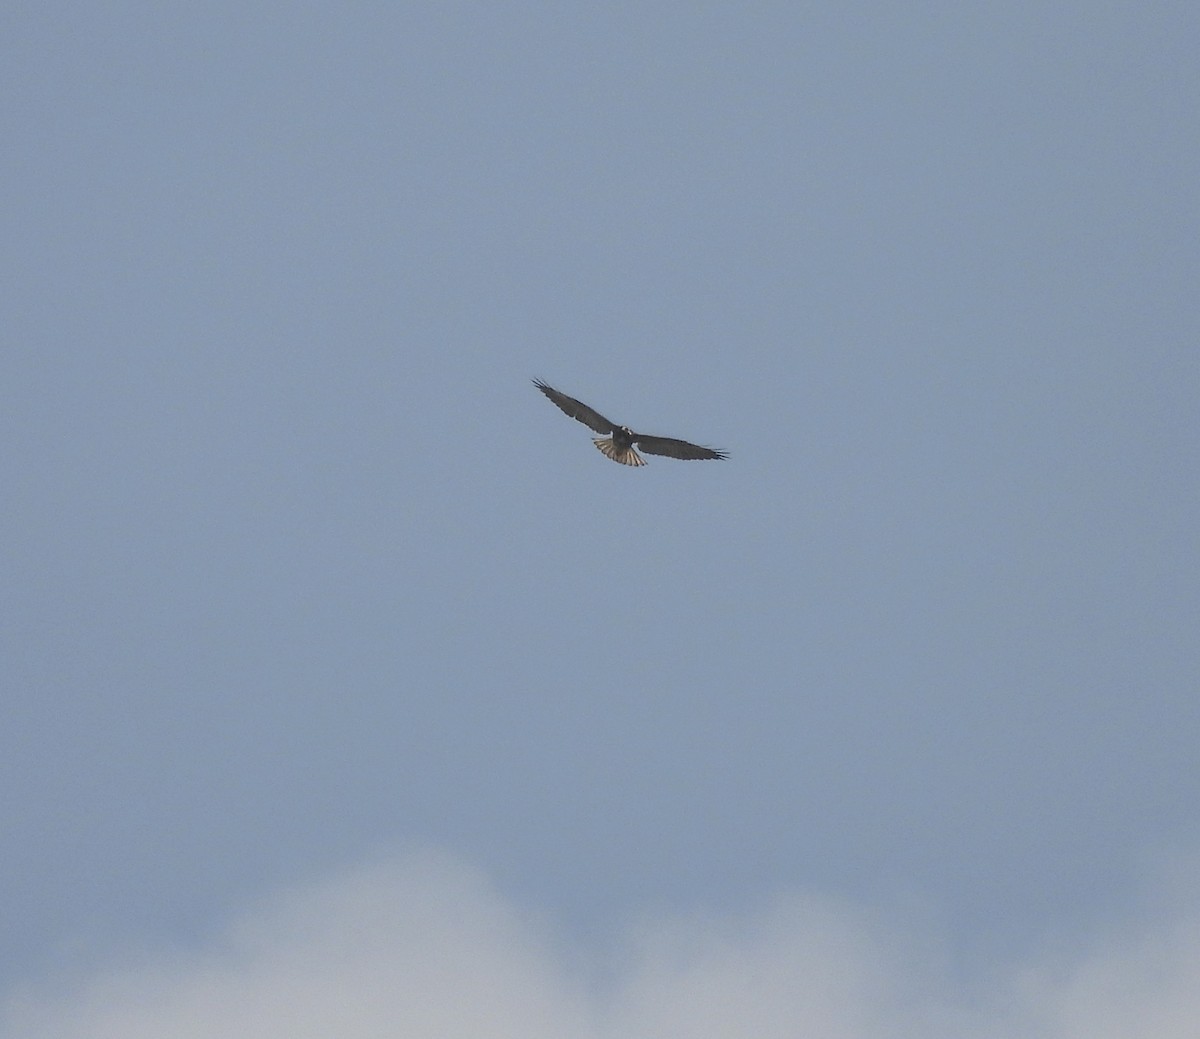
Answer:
(423, 946)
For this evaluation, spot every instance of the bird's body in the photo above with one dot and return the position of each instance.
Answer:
(618, 442)
(619, 447)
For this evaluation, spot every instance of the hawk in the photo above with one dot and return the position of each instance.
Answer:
(618, 445)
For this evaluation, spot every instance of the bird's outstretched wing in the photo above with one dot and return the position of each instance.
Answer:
(674, 448)
(578, 410)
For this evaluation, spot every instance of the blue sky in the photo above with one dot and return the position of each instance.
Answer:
(311, 600)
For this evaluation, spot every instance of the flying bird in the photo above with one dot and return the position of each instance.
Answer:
(618, 441)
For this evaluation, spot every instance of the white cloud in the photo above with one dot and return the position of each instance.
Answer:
(1141, 980)
(424, 947)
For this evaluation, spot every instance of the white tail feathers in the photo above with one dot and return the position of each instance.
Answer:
(626, 456)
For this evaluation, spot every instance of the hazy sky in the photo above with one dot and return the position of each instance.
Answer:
(347, 687)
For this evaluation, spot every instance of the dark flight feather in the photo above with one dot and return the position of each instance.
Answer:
(674, 448)
(576, 409)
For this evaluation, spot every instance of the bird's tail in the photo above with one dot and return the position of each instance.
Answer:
(626, 455)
